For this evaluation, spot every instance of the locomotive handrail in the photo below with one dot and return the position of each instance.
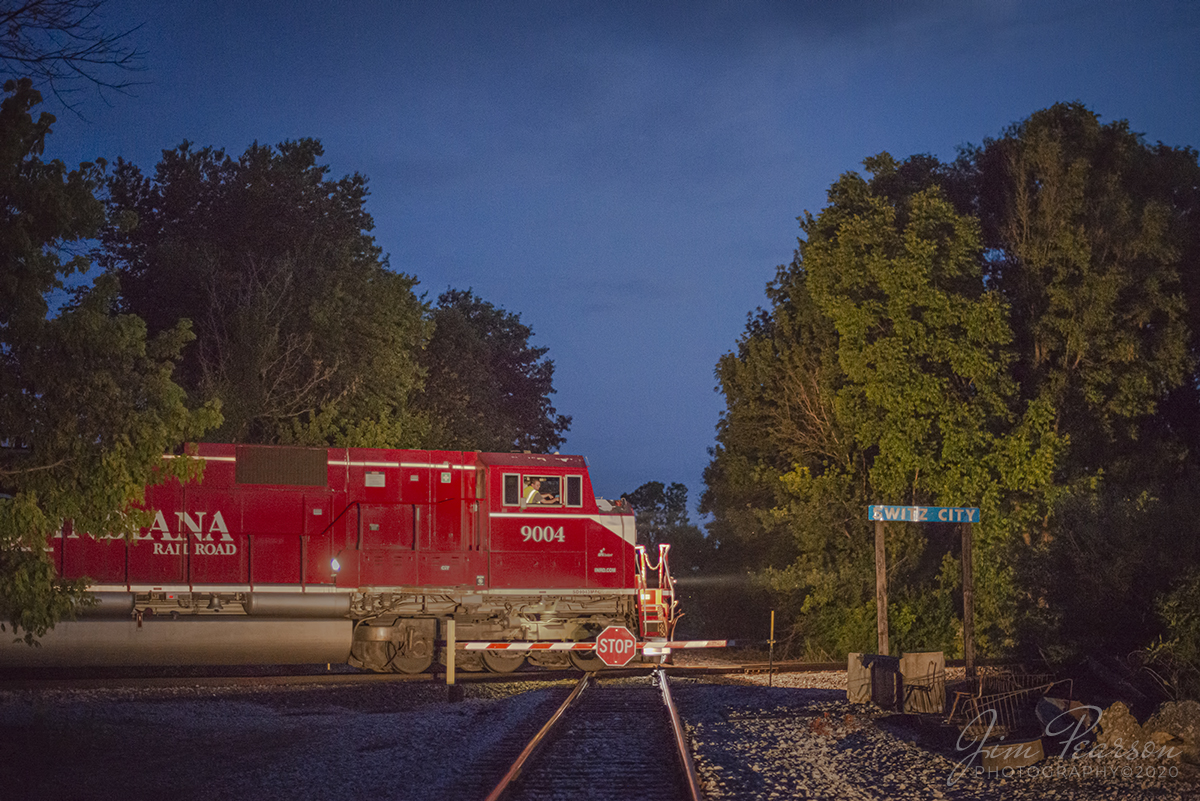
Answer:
(304, 537)
(357, 505)
(665, 589)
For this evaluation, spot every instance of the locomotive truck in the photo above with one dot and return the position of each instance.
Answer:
(307, 555)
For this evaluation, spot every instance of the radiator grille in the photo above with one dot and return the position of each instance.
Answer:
(304, 467)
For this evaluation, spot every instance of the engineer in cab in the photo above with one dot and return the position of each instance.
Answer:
(535, 495)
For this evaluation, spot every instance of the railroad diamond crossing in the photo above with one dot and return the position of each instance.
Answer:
(615, 646)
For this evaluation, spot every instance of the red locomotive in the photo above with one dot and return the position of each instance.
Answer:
(294, 555)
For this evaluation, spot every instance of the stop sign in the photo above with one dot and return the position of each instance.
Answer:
(616, 646)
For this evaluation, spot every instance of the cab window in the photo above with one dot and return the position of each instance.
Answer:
(539, 490)
(512, 489)
(574, 496)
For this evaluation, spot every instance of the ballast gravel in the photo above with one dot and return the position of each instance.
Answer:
(797, 739)
(801, 739)
(393, 741)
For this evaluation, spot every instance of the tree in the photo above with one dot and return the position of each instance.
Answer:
(87, 402)
(303, 331)
(57, 43)
(779, 388)
(1087, 228)
(1094, 237)
(1175, 656)
(662, 518)
(924, 344)
(879, 376)
(1013, 331)
(487, 388)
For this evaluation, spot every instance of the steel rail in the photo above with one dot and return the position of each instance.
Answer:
(682, 751)
(681, 745)
(536, 743)
(26, 679)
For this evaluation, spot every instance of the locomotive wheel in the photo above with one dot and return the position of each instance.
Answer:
(410, 664)
(371, 656)
(415, 658)
(495, 662)
(552, 660)
(587, 661)
(468, 661)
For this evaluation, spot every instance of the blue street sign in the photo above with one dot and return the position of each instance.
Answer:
(924, 514)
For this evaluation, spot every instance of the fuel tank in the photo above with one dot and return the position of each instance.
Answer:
(185, 641)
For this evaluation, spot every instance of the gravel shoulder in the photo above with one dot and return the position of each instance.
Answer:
(397, 741)
(801, 738)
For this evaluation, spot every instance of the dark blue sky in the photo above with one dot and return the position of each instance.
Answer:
(626, 176)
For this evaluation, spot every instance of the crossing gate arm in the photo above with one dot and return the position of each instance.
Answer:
(654, 646)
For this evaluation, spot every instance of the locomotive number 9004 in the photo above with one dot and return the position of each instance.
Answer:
(541, 534)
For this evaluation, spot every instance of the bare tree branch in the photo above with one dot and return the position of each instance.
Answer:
(58, 43)
(25, 470)
(249, 358)
(802, 416)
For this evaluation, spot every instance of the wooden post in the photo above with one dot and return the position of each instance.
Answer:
(771, 654)
(968, 581)
(451, 647)
(881, 589)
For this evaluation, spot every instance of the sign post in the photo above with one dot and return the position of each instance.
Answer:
(968, 581)
(771, 654)
(615, 646)
(964, 516)
(881, 616)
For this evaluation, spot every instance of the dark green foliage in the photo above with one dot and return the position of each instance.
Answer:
(662, 518)
(302, 334)
(1087, 235)
(1010, 331)
(87, 401)
(1093, 241)
(1095, 585)
(1174, 657)
(902, 398)
(302, 330)
(486, 387)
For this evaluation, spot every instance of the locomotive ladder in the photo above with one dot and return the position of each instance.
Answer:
(657, 609)
(611, 739)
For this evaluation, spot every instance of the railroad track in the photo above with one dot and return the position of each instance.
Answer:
(125, 678)
(614, 738)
